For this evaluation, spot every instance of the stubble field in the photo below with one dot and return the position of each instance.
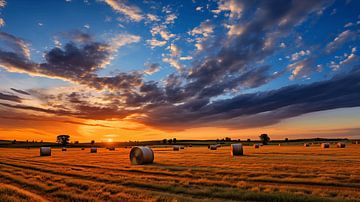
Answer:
(271, 173)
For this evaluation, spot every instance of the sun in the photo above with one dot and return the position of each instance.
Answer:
(110, 140)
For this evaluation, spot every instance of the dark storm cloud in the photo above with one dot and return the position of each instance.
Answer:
(20, 91)
(78, 61)
(73, 62)
(9, 97)
(260, 109)
(238, 56)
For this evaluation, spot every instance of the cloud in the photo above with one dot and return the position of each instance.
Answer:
(152, 68)
(301, 68)
(173, 62)
(131, 12)
(9, 97)
(156, 43)
(123, 39)
(2, 3)
(299, 54)
(15, 44)
(170, 19)
(186, 58)
(2, 22)
(260, 109)
(20, 91)
(233, 6)
(342, 38)
(152, 17)
(76, 61)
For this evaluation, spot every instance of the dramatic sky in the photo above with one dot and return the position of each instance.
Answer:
(116, 70)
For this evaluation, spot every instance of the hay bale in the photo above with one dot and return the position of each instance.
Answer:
(190, 145)
(182, 147)
(306, 145)
(45, 151)
(209, 146)
(218, 145)
(340, 145)
(176, 148)
(63, 149)
(111, 148)
(141, 155)
(236, 150)
(256, 146)
(325, 145)
(82, 148)
(279, 145)
(93, 150)
(213, 147)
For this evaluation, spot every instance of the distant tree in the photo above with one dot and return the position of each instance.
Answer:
(174, 140)
(14, 142)
(286, 139)
(63, 139)
(27, 141)
(249, 140)
(239, 140)
(217, 140)
(164, 141)
(264, 138)
(169, 141)
(76, 142)
(227, 139)
(92, 141)
(41, 141)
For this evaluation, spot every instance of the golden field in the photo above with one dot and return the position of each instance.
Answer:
(271, 173)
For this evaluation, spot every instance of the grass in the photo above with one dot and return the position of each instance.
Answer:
(271, 173)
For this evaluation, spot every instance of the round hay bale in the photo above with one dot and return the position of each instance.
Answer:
(306, 145)
(236, 150)
(93, 150)
(279, 145)
(209, 146)
(176, 148)
(190, 145)
(111, 148)
(325, 145)
(256, 146)
(141, 155)
(63, 149)
(45, 151)
(341, 145)
(182, 147)
(213, 147)
(218, 145)
(82, 148)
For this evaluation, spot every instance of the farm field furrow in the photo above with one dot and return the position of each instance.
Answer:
(272, 173)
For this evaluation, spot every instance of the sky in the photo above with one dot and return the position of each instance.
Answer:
(117, 70)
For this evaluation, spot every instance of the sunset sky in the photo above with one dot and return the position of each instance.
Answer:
(113, 70)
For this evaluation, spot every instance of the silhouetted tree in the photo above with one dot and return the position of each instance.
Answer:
(76, 142)
(14, 141)
(63, 139)
(286, 139)
(169, 141)
(239, 140)
(227, 139)
(174, 140)
(249, 140)
(264, 138)
(164, 141)
(92, 141)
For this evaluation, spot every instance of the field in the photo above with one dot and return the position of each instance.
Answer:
(271, 173)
